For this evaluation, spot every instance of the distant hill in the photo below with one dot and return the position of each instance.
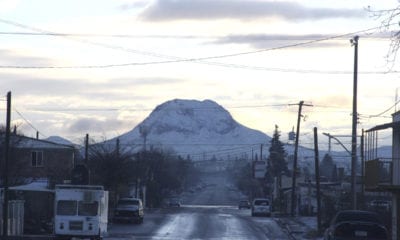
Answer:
(199, 129)
(59, 140)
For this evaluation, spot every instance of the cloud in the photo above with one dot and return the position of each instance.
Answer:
(12, 58)
(8, 5)
(262, 41)
(170, 10)
(30, 85)
(145, 81)
(79, 89)
(95, 125)
(133, 4)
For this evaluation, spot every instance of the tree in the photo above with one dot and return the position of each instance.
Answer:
(389, 18)
(277, 164)
(242, 174)
(328, 168)
(163, 173)
(110, 168)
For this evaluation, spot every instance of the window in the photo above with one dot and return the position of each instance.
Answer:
(88, 209)
(66, 208)
(128, 202)
(37, 159)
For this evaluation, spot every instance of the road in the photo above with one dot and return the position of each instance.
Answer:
(210, 212)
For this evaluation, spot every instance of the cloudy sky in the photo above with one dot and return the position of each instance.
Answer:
(101, 66)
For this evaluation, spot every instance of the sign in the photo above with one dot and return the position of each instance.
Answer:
(259, 169)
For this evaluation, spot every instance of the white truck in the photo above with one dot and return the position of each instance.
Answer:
(81, 211)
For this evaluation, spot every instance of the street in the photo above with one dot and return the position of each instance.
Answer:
(199, 222)
(209, 212)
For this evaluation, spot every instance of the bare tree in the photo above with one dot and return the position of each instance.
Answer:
(389, 22)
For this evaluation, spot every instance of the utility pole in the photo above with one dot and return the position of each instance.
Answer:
(362, 166)
(5, 168)
(354, 42)
(87, 149)
(316, 154)
(87, 157)
(296, 146)
(117, 147)
(144, 131)
(337, 140)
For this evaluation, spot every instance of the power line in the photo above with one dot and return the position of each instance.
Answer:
(175, 59)
(380, 114)
(29, 123)
(93, 109)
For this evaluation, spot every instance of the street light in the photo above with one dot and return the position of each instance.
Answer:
(335, 137)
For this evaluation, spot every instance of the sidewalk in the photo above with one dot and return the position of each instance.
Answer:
(299, 228)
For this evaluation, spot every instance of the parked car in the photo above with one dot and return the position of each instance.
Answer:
(244, 204)
(174, 202)
(354, 225)
(129, 209)
(261, 207)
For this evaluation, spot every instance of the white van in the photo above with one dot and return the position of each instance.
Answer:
(81, 211)
(261, 207)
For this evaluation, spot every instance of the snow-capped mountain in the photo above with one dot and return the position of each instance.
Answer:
(198, 129)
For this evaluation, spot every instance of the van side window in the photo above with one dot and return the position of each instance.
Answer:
(88, 208)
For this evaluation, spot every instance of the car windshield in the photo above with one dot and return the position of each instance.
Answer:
(261, 202)
(123, 202)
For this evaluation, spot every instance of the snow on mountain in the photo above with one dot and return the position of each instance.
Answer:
(199, 129)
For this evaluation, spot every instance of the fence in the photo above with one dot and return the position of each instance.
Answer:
(15, 218)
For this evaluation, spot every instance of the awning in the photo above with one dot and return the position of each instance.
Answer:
(39, 186)
(384, 126)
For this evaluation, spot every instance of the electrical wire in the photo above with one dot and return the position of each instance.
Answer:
(380, 114)
(28, 122)
(175, 59)
(146, 109)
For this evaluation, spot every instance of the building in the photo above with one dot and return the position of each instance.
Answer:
(32, 159)
(382, 174)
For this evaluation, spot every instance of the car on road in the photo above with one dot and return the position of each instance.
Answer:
(174, 202)
(356, 225)
(244, 204)
(129, 209)
(261, 207)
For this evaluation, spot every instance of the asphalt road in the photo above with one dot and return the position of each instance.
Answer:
(210, 212)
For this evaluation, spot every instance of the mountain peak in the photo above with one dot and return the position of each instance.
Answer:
(189, 116)
(192, 127)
